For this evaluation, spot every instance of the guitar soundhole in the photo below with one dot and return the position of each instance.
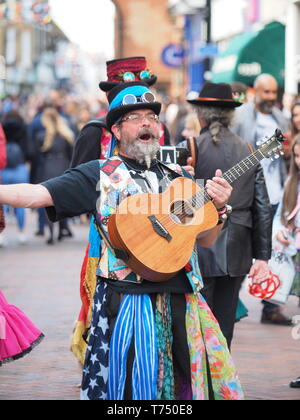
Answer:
(182, 212)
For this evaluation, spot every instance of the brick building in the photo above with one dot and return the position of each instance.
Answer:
(145, 28)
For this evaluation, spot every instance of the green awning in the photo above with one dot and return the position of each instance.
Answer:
(251, 54)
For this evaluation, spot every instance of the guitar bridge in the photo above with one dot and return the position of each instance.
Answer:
(159, 228)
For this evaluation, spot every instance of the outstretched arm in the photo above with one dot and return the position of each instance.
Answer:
(25, 196)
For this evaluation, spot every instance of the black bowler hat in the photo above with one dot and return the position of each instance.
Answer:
(139, 96)
(129, 69)
(216, 94)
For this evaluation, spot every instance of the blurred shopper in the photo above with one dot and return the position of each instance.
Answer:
(239, 92)
(246, 234)
(286, 226)
(55, 156)
(16, 170)
(191, 126)
(18, 335)
(254, 121)
(294, 130)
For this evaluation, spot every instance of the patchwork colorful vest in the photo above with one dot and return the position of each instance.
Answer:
(115, 185)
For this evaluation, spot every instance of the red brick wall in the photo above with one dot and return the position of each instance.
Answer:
(147, 28)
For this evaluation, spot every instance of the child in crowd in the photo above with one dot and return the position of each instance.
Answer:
(286, 225)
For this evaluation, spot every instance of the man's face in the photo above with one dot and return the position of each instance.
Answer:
(138, 135)
(266, 95)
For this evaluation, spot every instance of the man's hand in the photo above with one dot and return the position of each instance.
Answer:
(189, 168)
(259, 271)
(218, 189)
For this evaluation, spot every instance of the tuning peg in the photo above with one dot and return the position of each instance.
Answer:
(262, 141)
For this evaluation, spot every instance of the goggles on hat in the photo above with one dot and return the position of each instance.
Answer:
(129, 76)
(146, 97)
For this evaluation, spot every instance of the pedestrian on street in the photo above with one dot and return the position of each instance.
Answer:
(148, 340)
(55, 155)
(286, 225)
(16, 170)
(292, 133)
(247, 232)
(254, 121)
(18, 335)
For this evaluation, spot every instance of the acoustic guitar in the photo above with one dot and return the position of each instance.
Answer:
(158, 231)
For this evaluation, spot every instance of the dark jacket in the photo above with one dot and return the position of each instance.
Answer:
(247, 234)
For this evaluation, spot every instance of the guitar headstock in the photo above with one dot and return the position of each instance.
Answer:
(272, 147)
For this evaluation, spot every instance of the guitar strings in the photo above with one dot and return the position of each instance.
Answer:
(201, 197)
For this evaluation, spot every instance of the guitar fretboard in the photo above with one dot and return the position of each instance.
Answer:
(199, 199)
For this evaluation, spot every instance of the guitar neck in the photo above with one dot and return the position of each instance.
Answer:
(242, 167)
(235, 172)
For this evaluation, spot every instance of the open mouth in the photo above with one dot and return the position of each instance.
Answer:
(145, 137)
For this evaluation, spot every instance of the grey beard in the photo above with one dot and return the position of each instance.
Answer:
(265, 108)
(143, 153)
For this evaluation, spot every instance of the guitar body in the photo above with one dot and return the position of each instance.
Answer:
(158, 231)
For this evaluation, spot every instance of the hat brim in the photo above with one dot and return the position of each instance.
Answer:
(113, 115)
(107, 86)
(225, 103)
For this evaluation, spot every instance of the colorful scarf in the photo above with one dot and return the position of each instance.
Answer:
(205, 340)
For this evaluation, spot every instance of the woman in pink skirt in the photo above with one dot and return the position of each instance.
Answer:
(18, 335)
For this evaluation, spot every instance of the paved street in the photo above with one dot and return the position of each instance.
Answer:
(44, 282)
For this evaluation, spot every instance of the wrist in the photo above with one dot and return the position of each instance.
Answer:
(223, 213)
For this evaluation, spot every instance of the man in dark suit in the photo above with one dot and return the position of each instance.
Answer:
(247, 232)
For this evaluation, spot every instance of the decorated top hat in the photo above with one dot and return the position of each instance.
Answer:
(128, 69)
(127, 97)
(216, 94)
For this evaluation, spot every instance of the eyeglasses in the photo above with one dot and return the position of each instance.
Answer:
(136, 118)
(129, 76)
(130, 99)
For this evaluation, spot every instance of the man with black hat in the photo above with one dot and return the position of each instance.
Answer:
(247, 232)
(148, 340)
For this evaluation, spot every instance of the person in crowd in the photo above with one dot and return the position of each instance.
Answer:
(36, 132)
(239, 92)
(18, 335)
(286, 226)
(247, 232)
(16, 170)
(95, 141)
(293, 131)
(55, 156)
(254, 121)
(148, 340)
(191, 126)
